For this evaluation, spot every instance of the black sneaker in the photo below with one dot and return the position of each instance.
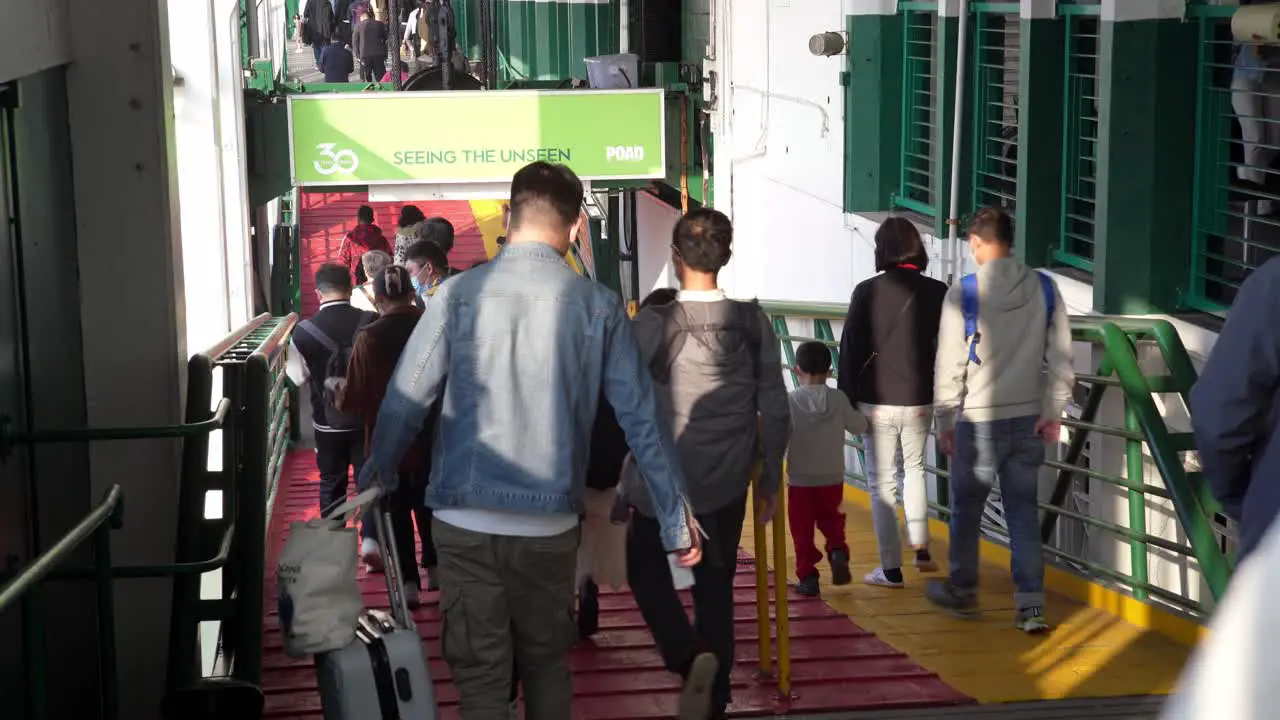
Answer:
(964, 603)
(840, 574)
(808, 586)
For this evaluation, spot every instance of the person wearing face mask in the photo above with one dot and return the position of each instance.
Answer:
(428, 266)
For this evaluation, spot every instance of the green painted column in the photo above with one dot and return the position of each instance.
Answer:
(946, 45)
(872, 106)
(1041, 81)
(1146, 157)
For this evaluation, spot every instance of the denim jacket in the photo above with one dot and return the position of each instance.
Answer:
(526, 346)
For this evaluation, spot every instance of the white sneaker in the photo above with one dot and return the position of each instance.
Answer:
(695, 696)
(371, 555)
(411, 597)
(877, 578)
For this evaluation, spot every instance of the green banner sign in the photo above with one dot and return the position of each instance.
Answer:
(475, 136)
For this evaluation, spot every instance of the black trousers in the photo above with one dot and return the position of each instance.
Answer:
(339, 456)
(373, 68)
(403, 505)
(712, 630)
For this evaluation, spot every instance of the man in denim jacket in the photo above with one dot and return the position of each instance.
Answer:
(526, 346)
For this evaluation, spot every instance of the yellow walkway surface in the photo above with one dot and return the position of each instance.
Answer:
(1089, 653)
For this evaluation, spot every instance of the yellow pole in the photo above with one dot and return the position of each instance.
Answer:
(761, 537)
(780, 593)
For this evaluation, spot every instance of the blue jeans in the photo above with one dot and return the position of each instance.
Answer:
(1008, 450)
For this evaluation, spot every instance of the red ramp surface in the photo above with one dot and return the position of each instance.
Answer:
(325, 218)
(835, 664)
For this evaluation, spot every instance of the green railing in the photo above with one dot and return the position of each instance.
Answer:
(252, 415)
(919, 116)
(1235, 229)
(1080, 145)
(997, 64)
(1143, 433)
(23, 590)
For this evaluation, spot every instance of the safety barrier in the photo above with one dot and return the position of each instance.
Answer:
(252, 415)
(776, 540)
(1119, 338)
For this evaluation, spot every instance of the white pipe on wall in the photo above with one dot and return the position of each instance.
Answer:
(957, 140)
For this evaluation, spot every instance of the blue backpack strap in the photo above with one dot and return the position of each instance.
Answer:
(969, 307)
(1050, 298)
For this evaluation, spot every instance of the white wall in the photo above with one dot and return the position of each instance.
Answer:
(132, 310)
(779, 137)
(654, 222)
(34, 36)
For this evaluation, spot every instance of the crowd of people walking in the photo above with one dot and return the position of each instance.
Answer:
(349, 37)
(540, 441)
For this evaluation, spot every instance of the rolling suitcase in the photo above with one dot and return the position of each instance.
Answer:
(383, 673)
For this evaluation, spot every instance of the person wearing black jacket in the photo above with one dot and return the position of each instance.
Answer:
(369, 43)
(887, 351)
(318, 26)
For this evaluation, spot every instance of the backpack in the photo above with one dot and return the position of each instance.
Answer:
(335, 366)
(969, 307)
(677, 327)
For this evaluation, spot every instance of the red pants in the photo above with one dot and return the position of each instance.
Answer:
(809, 507)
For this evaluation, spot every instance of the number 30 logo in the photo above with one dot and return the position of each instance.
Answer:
(342, 161)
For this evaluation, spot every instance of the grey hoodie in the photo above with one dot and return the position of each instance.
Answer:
(1016, 343)
(820, 416)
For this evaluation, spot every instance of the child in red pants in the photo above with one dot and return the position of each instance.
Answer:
(820, 416)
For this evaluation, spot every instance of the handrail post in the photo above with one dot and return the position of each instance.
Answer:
(251, 510)
(183, 655)
(761, 539)
(783, 621)
(1135, 469)
(34, 690)
(110, 687)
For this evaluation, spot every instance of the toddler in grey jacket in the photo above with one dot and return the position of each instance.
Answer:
(820, 417)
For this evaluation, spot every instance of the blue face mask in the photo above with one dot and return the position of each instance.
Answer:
(417, 284)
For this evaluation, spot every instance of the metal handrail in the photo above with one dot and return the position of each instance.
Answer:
(97, 524)
(76, 435)
(1144, 424)
(49, 560)
(781, 615)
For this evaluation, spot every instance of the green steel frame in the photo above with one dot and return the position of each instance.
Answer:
(1080, 146)
(1229, 239)
(253, 418)
(1144, 433)
(919, 116)
(996, 68)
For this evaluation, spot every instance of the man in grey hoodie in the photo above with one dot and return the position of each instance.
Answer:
(996, 409)
(718, 381)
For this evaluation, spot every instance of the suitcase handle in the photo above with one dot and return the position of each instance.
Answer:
(391, 565)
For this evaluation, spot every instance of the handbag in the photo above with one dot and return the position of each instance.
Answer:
(319, 599)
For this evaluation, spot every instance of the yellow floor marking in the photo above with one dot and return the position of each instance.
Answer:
(1089, 653)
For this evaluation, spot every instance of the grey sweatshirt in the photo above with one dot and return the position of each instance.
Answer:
(1016, 344)
(714, 405)
(820, 416)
